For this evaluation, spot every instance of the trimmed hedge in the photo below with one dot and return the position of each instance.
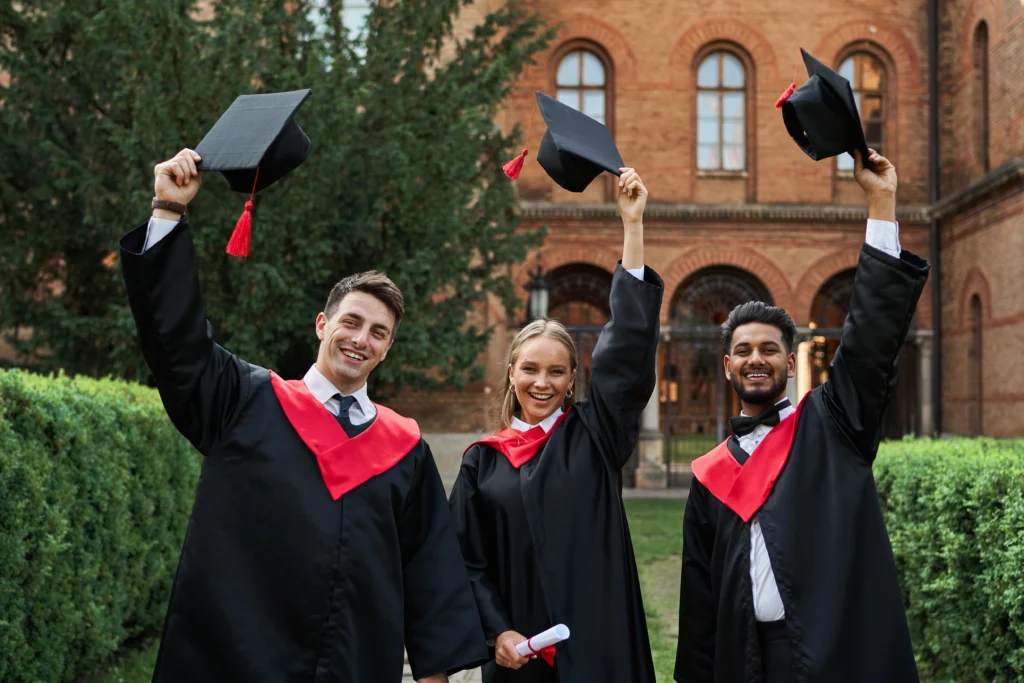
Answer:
(95, 490)
(955, 513)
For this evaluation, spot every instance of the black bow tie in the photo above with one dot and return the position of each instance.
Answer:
(742, 424)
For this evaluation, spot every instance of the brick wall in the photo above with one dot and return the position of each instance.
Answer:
(982, 248)
(961, 90)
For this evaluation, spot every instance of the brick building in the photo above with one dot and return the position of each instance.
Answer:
(738, 212)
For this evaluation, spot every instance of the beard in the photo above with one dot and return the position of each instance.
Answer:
(759, 396)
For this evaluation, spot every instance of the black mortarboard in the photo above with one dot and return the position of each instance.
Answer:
(821, 115)
(575, 149)
(255, 143)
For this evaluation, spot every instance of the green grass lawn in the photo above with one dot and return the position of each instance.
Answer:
(657, 530)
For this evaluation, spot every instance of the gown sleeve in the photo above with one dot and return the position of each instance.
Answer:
(695, 652)
(623, 364)
(862, 375)
(201, 384)
(442, 627)
(477, 546)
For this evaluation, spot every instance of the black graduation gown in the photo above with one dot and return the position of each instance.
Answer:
(548, 543)
(822, 522)
(278, 581)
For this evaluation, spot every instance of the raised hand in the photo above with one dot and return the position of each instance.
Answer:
(879, 185)
(632, 197)
(177, 179)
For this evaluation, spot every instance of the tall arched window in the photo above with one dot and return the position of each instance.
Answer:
(582, 83)
(981, 131)
(974, 370)
(866, 74)
(721, 113)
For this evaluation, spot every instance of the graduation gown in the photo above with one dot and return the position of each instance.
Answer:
(547, 542)
(309, 557)
(821, 520)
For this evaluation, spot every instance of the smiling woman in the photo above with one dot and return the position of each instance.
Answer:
(538, 505)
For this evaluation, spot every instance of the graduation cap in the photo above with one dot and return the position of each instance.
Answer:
(575, 149)
(255, 143)
(821, 116)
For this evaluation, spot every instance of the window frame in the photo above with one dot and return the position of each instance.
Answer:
(721, 90)
(888, 141)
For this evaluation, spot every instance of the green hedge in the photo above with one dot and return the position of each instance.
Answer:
(955, 513)
(95, 489)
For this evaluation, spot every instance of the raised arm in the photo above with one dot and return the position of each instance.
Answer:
(623, 363)
(886, 289)
(201, 384)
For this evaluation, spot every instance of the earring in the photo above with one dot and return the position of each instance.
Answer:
(568, 394)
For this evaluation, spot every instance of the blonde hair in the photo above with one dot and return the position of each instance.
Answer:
(506, 403)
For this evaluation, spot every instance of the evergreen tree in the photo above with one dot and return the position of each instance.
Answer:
(405, 173)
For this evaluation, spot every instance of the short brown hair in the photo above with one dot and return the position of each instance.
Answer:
(375, 284)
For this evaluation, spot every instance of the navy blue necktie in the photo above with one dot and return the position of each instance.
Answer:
(342, 416)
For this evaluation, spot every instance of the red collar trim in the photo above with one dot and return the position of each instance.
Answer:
(745, 488)
(520, 447)
(345, 463)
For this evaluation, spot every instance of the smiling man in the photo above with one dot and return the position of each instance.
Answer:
(787, 572)
(320, 541)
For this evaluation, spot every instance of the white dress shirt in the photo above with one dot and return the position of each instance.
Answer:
(362, 410)
(546, 424)
(767, 601)
(884, 236)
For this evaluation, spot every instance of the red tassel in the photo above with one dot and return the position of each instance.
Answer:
(512, 168)
(785, 95)
(242, 236)
(788, 92)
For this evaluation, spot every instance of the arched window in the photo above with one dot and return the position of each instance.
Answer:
(721, 113)
(981, 131)
(579, 299)
(582, 83)
(974, 370)
(828, 313)
(866, 74)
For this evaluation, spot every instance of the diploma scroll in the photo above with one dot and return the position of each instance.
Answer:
(542, 641)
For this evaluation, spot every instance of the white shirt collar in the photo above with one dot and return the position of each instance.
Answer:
(783, 414)
(546, 424)
(324, 391)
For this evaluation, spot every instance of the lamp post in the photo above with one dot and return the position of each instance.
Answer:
(539, 293)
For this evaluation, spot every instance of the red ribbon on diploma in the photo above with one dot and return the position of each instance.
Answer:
(547, 654)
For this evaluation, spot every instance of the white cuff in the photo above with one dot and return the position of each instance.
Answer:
(638, 273)
(157, 229)
(884, 236)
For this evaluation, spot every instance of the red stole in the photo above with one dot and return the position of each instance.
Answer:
(744, 488)
(345, 463)
(519, 447)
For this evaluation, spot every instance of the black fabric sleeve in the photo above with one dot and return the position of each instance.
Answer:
(442, 627)
(862, 376)
(695, 652)
(622, 366)
(477, 546)
(201, 384)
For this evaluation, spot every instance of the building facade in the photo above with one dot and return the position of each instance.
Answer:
(738, 212)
